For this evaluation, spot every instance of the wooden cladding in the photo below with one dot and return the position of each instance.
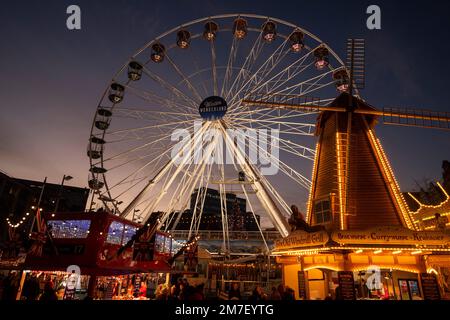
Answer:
(353, 176)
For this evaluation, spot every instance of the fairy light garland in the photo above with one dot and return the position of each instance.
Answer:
(18, 224)
(358, 250)
(310, 198)
(393, 184)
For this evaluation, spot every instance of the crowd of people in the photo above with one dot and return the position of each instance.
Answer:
(32, 288)
(183, 291)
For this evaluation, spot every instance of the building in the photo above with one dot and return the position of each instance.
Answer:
(211, 219)
(19, 199)
(361, 240)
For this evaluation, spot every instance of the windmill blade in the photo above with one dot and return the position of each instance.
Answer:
(416, 118)
(391, 116)
(356, 61)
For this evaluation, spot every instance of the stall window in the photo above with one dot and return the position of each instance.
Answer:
(71, 229)
(130, 231)
(322, 211)
(115, 233)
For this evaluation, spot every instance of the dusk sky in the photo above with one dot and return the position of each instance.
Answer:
(51, 78)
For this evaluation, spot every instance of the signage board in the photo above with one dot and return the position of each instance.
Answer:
(302, 285)
(391, 236)
(213, 108)
(430, 287)
(302, 239)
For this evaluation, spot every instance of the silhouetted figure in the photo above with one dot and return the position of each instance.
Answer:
(297, 222)
(289, 294)
(258, 294)
(234, 293)
(275, 295)
(49, 293)
(31, 288)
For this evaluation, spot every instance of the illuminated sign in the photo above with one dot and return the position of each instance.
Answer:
(213, 108)
(394, 236)
(302, 239)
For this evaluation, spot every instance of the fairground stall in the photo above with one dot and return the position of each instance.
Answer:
(95, 247)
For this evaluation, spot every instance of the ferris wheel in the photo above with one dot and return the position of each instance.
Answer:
(188, 84)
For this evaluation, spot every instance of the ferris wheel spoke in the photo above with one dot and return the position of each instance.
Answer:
(268, 114)
(186, 81)
(251, 210)
(189, 191)
(195, 223)
(169, 87)
(261, 191)
(285, 75)
(127, 137)
(304, 152)
(290, 172)
(179, 193)
(230, 63)
(173, 177)
(143, 114)
(304, 129)
(140, 169)
(163, 125)
(149, 96)
(266, 67)
(254, 217)
(128, 159)
(300, 130)
(163, 171)
(213, 67)
(183, 161)
(308, 83)
(249, 61)
(274, 121)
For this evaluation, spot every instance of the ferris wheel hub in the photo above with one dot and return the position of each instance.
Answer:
(213, 108)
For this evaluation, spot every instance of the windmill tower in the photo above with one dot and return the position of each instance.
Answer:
(353, 185)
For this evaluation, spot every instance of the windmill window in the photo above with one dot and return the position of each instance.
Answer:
(322, 211)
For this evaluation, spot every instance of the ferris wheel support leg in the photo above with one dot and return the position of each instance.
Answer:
(275, 214)
(147, 188)
(161, 173)
(184, 161)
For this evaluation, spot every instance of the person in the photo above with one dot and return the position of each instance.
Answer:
(198, 294)
(289, 294)
(281, 290)
(31, 288)
(338, 293)
(10, 287)
(174, 292)
(297, 222)
(162, 292)
(184, 290)
(365, 293)
(275, 295)
(235, 292)
(258, 294)
(49, 293)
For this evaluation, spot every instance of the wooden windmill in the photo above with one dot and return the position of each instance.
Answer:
(353, 185)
